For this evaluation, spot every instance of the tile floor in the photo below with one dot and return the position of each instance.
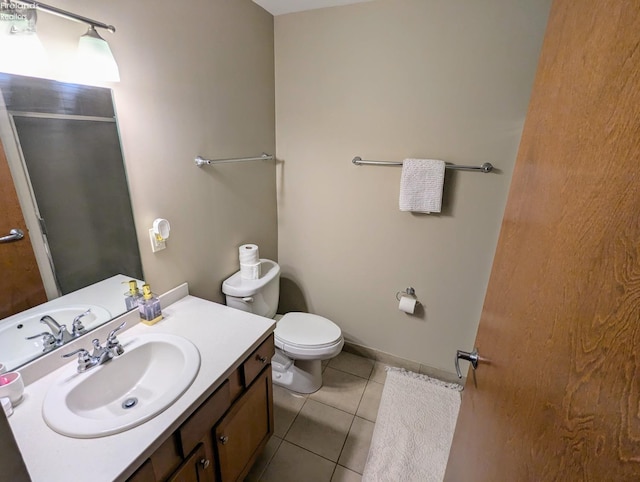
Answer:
(325, 436)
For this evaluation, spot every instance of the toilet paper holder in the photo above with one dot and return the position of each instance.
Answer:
(408, 292)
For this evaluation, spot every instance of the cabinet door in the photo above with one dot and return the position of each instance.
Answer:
(196, 468)
(144, 473)
(244, 431)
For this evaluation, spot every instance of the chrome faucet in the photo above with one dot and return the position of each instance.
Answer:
(59, 334)
(59, 331)
(100, 354)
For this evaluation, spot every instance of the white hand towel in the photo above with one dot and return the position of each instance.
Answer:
(421, 185)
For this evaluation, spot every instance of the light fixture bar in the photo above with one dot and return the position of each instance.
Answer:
(66, 14)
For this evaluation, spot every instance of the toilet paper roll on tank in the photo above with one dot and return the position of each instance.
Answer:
(249, 257)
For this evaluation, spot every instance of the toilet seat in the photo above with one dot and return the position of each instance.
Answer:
(307, 330)
(308, 336)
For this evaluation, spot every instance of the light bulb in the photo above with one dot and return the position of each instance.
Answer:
(95, 60)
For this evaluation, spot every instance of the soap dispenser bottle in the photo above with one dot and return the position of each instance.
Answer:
(133, 296)
(149, 306)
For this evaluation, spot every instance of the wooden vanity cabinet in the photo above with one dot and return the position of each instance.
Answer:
(245, 429)
(144, 473)
(198, 467)
(221, 440)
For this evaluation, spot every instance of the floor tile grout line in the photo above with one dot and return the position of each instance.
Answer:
(333, 472)
(349, 373)
(310, 451)
(294, 419)
(345, 440)
(331, 406)
(361, 397)
(347, 468)
(264, 469)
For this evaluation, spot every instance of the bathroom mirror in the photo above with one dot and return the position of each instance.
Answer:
(62, 149)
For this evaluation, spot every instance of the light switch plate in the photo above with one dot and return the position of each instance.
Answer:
(155, 244)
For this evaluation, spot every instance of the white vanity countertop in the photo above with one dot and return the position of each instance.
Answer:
(224, 336)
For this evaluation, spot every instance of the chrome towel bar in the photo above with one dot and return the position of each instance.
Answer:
(207, 162)
(486, 167)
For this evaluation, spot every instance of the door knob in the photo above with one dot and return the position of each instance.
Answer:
(471, 357)
(14, 235)
(223, 439)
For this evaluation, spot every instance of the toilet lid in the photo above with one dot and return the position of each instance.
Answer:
(305, 329)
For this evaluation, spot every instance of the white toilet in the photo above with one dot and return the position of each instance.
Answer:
(302, 340)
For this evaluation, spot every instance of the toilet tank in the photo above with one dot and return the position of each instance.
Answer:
(259, 296)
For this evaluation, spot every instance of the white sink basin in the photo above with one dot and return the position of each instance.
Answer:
(15, 350)
(154, 371)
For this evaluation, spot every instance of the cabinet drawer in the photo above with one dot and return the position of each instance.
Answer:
(260, 357)
(200, 423)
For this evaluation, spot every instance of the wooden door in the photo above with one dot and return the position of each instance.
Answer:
(20, 282)
(558, 391)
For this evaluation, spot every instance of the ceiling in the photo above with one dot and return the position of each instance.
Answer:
(280, 7)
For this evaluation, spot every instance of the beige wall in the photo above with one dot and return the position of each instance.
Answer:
(388, 80)
(194, 81)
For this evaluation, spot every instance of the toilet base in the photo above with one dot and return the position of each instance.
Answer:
(302, 376)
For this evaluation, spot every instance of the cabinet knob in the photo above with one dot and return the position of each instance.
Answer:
(224, 439)
(204, 463)
(261, 359)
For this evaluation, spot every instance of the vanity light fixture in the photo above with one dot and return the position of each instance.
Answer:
(94, 55)
(22, 50)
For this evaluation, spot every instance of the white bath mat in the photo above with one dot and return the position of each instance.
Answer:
(414, 429)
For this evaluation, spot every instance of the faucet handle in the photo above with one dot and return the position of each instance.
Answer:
(84, 359)
(81, 352)
(80, 316)
(112, 336)
(33, 337)
(115, 347)
(60, 336)
(77, 326)
(48, 340)
(112, 342)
